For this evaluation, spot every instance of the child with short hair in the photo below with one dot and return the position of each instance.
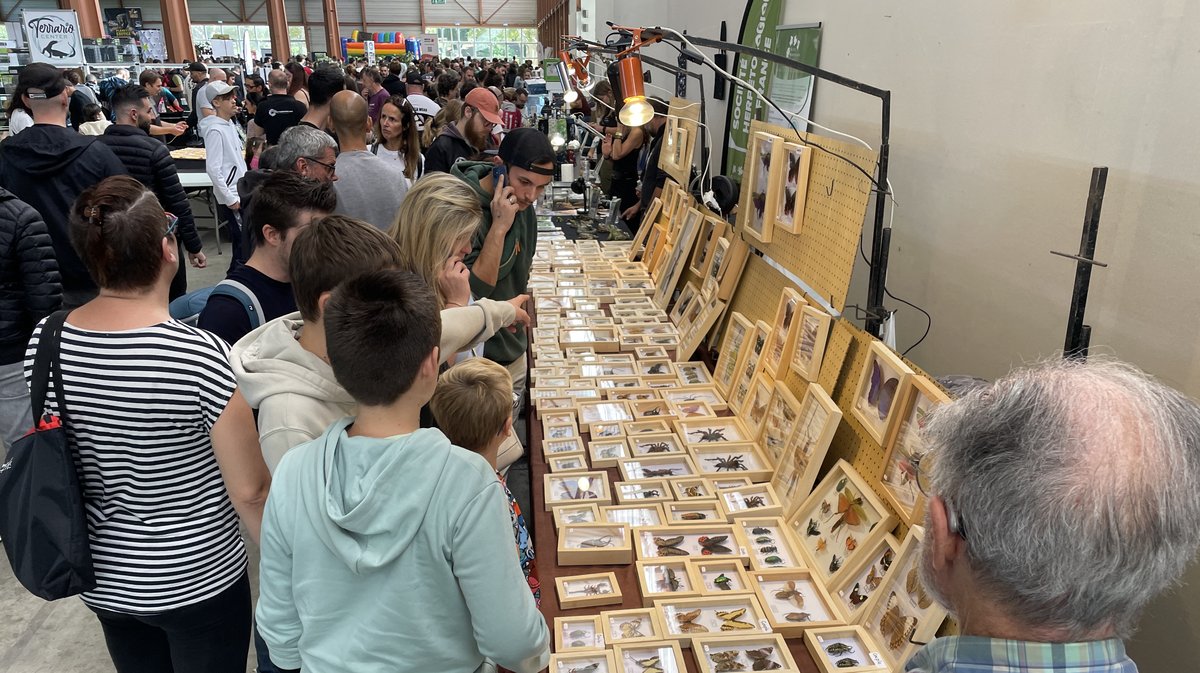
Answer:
(473, 406)
(384, 547)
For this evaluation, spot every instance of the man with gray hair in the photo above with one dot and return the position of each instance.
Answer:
(308, 151)
(1062, 499)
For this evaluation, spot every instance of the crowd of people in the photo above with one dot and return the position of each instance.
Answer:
(346, 394)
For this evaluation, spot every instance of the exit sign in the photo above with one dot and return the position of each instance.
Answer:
(437, 2)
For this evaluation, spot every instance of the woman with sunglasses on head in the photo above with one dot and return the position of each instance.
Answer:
(398, 137)
(166, 446)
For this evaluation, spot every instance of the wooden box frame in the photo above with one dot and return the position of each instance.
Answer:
(713, 229)
(694, 432)
(647, 549)
(618, 552)
(598, 486)
(780, 424)
(650, 626)
(890, 364)
(639, 442)
(687, 296)
(720, 481)
(693, 373)
(796, 472)
(642, 491)
(592, 636)
(651, 353)
(782, 339)
(650, 466)
(749, 366)
(704, 568)
(754, 412)
(732, 502)
(600, 339)
(841, 482)
(638, 244)
(761, 185)
(655, 408)
(570, 446)
(708, 509)
(599, 431)
(682, 488)
(676, 262)
(705, 648)
(918, 395)
(690, 410)
(864, 579)
(567, 464)
(647, 367)
(653, 580)
(603, 412)
(600, 455)
(670, 655)
(669, 610)
(797, 161)
(634, 428)
(866, 653)
(766, 587)
(757, 467)
(625, 514)
(575, 514)
(563, 431)
(709, 395)
(811, 338)
(903, 580)
(778, 535)
(568, 600)
(583, 661)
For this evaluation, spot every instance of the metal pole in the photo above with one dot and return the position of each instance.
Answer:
(877, 281)
(1078, 334)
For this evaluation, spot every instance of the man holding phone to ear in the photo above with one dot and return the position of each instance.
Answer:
(503, 246)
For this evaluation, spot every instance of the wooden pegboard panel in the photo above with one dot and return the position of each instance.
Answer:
(822, 254)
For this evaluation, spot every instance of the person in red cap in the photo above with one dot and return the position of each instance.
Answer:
(461, 140)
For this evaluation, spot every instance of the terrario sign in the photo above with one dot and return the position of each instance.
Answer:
(53, 37)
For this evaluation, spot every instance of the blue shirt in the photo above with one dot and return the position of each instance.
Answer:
(974, 654)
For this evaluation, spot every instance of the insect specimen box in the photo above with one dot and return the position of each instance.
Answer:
(718, 577)
(874, 402)
(695, 511)
(642, 491)
(795, 601)
(594, 544)
(566, 514)
(627, 627)
(655, 444)
(606, 452)
(842, 649)
(770, 544)
(574, 463)
(758, 500)
(711, 616)
(712, 431)
(861, 581)
(584, 591)
(634, 515)
(740, 459)
(766, 652)
(583, 662)
(657, 466)
(574, 634)
(662, 578)
(903, 448)
(575, 488)
(693, 489)
(662, 655)
(678, 541)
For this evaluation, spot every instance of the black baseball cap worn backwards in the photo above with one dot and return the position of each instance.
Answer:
(41, 81)
(526, 147)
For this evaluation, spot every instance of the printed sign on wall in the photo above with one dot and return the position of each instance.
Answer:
(53, 37)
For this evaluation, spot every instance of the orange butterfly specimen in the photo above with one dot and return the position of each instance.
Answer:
(850, 511)
(895, 626)
(851, 543)
(917, 590)
(821, 544)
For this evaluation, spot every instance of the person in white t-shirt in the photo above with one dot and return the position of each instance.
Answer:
(399, 138)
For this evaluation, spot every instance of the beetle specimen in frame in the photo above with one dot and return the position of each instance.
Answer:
(838, 649)
(713, 545)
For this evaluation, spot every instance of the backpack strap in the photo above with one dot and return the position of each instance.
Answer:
(45, 365)
(245, 296)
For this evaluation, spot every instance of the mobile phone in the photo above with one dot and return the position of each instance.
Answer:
(497, 171)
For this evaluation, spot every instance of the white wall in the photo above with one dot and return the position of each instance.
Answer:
(1000, 111)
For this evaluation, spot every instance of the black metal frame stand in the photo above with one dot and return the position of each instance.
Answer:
(1079, 335)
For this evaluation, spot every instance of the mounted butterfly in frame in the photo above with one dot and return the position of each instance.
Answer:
(875, 396)
(761, 183)
(904, 449)
(793, 193)
(900, 613)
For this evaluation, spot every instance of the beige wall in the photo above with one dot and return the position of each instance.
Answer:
(1000, 111)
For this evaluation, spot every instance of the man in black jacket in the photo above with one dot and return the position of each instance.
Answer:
(462, 140)
(149, 161)
(29, 291)
(394, 82)
(47, 165)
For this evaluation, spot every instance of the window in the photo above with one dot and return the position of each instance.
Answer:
(504, 43)
(260, 37)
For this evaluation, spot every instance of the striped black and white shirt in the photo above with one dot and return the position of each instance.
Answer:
(141, 405)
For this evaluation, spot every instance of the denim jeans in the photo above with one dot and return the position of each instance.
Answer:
(15, 417)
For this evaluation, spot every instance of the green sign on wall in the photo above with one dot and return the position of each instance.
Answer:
(758, 30)
(437, 2)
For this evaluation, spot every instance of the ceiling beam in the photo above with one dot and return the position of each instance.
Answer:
(493, 15)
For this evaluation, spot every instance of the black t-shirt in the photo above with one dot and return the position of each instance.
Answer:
(278, 113)
(227, 318)
(652, 177)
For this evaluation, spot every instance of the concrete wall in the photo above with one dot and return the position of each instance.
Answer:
(1000, 112)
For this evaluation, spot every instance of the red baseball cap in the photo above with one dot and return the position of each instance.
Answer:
(485, 101)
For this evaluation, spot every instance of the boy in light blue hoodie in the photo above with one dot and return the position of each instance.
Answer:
(384, 547)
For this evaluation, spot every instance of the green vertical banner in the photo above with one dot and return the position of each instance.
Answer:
(758, 30)
(790, 88)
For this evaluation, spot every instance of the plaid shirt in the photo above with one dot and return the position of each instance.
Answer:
(973, 654)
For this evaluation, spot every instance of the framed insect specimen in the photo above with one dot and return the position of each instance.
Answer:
(749, 366)
(838, 649)
(795, 600)
(607, 430)
(862, 580)
(797, 467)
(566, 417)
(742, 459)
(676, 262)
(583, 662)
(655, 367)
(574, 463)
(571, 446)
(585, 591)
(769, 542)
(564, 431)
(642, 491)
(813, 334)
(783, 333)
(638, 245)
(732, 351)
(687, 296)
(639, 625)
(575, 514)
(902, 614)
(661, 578)
(646, 427)
(705, 394)
(661, 657)
(575, 489)
(691, 540)
(693, 489)
(651, 353)
(711, 617)
(720, 481)
(560, 403)
(708, 431)
(602, 339)
(603, 369)
(780, 425)
(793, 193)
(716, 270)
(757, 500)
(606, 452)
(634, 515)
(694, 511)
(874, 400)
(693, 374)
(657, 467)
(717, 577)
(766, 652)
(839, 522)
(713, 230)
(594, 544)
(655, 443)
(693, 410)
(658, 408)
(576, 634)
(903, 448)
(610, 411)
(758, 402)
(697, 327)
(764, 162)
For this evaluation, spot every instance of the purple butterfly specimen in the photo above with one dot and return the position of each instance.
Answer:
(882, 392)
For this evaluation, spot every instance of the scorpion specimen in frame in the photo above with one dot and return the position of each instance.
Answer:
(664, 472)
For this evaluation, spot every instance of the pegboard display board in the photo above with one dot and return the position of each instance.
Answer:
(822, 254)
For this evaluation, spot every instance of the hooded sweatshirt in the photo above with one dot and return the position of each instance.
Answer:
(295, 392)
(449, 148)
(393, 554)
(48, 166)
(225, 157)
(515, 261)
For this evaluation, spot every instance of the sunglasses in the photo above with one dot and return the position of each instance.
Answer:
(172, 224)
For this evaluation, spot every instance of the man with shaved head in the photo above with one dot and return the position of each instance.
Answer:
(368, 188)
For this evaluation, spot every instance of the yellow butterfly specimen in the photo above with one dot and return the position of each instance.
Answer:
(730, 621)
